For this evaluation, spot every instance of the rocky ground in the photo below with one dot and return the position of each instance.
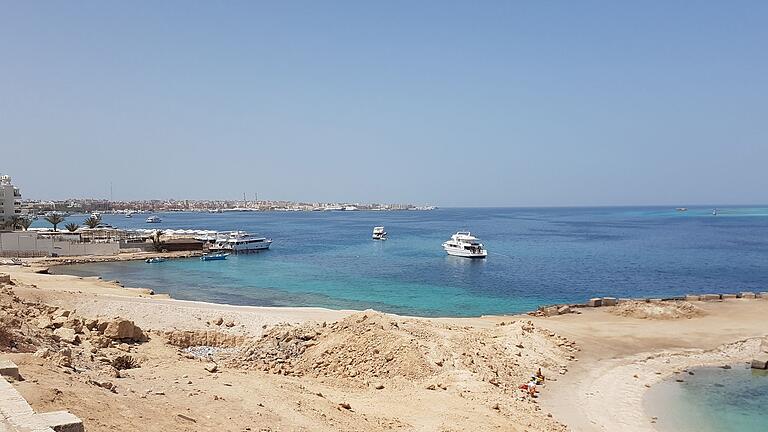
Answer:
(669, 310)
(368, 371)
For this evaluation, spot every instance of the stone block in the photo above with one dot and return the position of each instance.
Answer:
(710, 297)
(747, 295)
(595, 302)
(9, 369)
(655, 300)
(61, 421)
(5, 278)
(691, 297)
(728, 296)
(609, 301)
(563, 310)
(763, 295)
(760, 362)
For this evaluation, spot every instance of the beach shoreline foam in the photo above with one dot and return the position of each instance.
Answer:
(618, 357)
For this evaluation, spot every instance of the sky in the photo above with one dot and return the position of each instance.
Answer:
(508, 103)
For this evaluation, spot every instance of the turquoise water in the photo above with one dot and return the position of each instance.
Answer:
(712, 400)
(536, 256)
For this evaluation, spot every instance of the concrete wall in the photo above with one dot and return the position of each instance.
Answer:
(26, 243)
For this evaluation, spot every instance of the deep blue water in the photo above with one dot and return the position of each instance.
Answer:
(536, 256)
(712, 400)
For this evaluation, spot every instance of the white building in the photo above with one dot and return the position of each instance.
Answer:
(10, 201)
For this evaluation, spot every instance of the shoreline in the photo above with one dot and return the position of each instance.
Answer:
(603, 388)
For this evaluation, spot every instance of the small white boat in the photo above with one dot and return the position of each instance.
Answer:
(154, 219)
(714, 212)
(464, 244)
(240, 242)
(154, 260)
(379, 233)
(681, 209)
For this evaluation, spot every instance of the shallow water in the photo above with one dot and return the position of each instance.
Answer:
(711, 400)
(536, 256)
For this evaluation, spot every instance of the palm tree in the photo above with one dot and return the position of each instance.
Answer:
(92, 222)
(26, 222)
(71, 227)
(14, 222)
(54, 219)
(156, 241)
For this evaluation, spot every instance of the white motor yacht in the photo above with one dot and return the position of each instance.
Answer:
(464, 244)
(154, 219)
(379, 233)
(240, 242)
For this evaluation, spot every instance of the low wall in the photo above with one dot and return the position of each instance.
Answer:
(26, 244)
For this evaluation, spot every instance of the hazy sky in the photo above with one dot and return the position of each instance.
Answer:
(449, 103)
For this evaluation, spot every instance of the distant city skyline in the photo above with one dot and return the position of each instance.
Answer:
(443, 103)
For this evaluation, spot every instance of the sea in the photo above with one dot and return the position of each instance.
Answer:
(711, 400)
(537, 256)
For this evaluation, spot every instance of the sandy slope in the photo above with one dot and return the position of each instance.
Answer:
(393, 373)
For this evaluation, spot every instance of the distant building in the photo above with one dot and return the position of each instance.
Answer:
(10, 201)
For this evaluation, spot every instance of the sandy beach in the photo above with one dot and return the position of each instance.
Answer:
(320, 369)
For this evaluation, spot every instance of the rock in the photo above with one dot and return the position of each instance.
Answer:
(75, 324)
(378, 386)
(218, 321)
(121, 329)
(230, 324)
(91, 324)
(103, 384)
(608, 301)
(760, 362)
(42, 353)
(691, 297)
(495, 406)
(9, 369)
(345, 405)
(44, 322)
(747, 295)
(100, 341)
(211, 367)
(563, 310)
(67, 335)
(549, 310)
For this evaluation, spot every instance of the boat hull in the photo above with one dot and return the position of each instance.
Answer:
(465, 253)
(214, 257)
(242, 249)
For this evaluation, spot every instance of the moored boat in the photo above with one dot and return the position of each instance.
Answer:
(215, 256)
(464, 244)
(379, 233)
(154, 260)
(154, 219)
(240, 242)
